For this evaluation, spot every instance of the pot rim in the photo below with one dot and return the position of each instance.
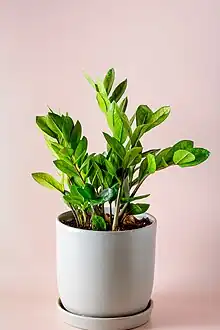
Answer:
(109, 232)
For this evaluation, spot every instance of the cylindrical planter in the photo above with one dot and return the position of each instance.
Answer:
(105, 274)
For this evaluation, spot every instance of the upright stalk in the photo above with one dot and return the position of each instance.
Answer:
(75, 216)
(121, 213)
(110, 211)
(117, 206)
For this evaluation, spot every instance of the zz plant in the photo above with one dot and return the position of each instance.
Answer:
(87, 180)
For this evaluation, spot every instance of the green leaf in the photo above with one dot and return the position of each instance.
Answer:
(109, 80)
(75, 193)
(124, 104)
(110, 168)
(98, 223)
(119, 91)
(181, 145)
(181, 157)
(125, 122)
(54, 147)
(65, 167)
(148, 166)
(118, 123)
(151, 151)
(131, 199)
(86, 164)
(116, 146)
(158, 117)
(137, 160)
(76, 135)
(151, 166)
(163, 158)
(90, 80)
(97, 175)
(138, 133)
(107, 195)
(163, 164)
(41, 122)
(55, 123)
(138, 208)
(131, 121)
(143, 115)
(130, 156)
(200, 154)
(48, 181)
(77, 180)
(74, 198)
(81, 149)
(88, 192)
(101, 102)
(67, 128)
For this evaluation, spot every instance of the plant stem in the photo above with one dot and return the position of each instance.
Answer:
(110, 210)
(75, 215)
(117, 205)
(121, 213)
(78, 171)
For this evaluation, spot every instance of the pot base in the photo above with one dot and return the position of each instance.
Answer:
(107, 323)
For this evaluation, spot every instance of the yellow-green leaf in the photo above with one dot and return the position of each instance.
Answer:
(47, 181)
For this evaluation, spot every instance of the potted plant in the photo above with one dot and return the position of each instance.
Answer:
(106, 241)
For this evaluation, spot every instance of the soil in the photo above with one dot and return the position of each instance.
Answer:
(129, 222)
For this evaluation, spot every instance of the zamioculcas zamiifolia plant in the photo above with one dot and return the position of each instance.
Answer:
(90, 182)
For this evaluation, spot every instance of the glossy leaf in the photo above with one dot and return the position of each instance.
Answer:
(130, 156)
(88, 192)
(81, 149)
(181, 157)
(76, 135)
(158, 117)
(109, 80)
(98, 223)
(110, 168)
(138, 133)
(200, 154)
(101, 102)
(151, 164)
(90, 80)
(115, 145)
(143, 115)
(47, 181)
(41, 122)
(181, 145)
(107, 195)
(73, 198)
(77, 180)
(67, 128)
(137, 160)
(118, 123)
(55, 147)
(164, 155)
(131, 199)
(124, 104)
(148, 166)
(138, 208)
(65, 167)
(97, 175)
(151, 151)
(55, 123)
(119, 91)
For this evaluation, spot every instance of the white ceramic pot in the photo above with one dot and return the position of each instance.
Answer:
(105, 274)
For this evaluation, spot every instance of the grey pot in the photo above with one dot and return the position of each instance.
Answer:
(105, 274)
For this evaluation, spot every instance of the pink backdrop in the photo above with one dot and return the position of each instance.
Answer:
(169, 51)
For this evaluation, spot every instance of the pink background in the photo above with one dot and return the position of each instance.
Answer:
(169, 51)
